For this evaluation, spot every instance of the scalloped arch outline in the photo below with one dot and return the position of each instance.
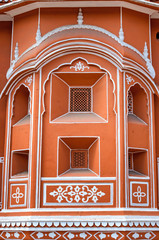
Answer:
(69, 64)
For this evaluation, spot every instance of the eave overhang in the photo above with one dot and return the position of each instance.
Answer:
(21, 6)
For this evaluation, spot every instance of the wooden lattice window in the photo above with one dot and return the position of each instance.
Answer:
(79, 159)
(80, 99)
(130, 102)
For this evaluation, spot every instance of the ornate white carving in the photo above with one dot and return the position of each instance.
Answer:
(139, 194)
(129, 79)
(90, 27)
(16, 52)
(145, 53)
(79, 67)
(76, 193)
(17, 195)
(80, 17)
(46, 235)
(13, 235)
(108, 235)
(38, 34)
(121, 34)
(29, 80)
(141, 235)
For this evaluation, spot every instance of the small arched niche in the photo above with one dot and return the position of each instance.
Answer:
(21, 106)
(137, 104)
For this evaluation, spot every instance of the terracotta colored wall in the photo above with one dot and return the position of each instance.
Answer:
(136, 28)
(25, 27)
(155, 47)
(5, 41)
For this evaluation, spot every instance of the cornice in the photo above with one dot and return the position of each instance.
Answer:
(20, 6)
(123, 223)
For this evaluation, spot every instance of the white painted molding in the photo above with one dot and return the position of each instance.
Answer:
(63, 223)
(146, 8)
(80, 17)
(87, 27)
(5, 18)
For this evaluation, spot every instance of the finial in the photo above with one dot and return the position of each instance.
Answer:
(16, 52)
(145, 53)
(38, 34)
(121, 34)
(80, 17)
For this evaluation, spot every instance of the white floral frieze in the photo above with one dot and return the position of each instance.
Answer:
(141, 235)
(77, 193)
(79, 67)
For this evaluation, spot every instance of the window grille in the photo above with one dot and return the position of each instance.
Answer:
(130, 102)
(79, 159)
(80, 99)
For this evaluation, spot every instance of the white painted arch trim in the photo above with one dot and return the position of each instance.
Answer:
(87, 27)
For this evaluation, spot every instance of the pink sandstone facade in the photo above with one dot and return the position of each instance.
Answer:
(79, 120)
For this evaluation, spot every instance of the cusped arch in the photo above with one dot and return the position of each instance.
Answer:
(71, 65)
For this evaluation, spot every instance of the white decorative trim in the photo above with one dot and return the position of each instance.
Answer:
(129, 79)
(80, 17)
(17, 195)
(38, 33)
(79, 67)
(88, 27)
(76, 192)
(29, 80)
(139, 194)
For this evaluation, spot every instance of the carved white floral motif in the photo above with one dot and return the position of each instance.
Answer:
(12, 235)
(17, 195)
(139, 194)
(129, 79)
(29, 80)
(76, 193)
(141, 235)
(108, 235)
(45, 235)
(79, 67)
(77, 235)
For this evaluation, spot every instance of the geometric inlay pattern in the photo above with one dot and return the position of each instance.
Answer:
(80, 99)
(79, 159)
(141, 235)
(77, 194)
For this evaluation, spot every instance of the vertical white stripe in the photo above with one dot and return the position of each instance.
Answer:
(152, 155)
(37, 200)
(150, 37)
(31, 143)
(5, 192)
(125, 144)
(118, 130)
(11, 53)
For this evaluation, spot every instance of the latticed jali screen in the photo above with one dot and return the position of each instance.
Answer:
(130, 102)
(80, 99)
(79, 159)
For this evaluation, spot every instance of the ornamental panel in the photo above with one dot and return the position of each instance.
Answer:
(18, 194)
(139, 194)
(78, 194)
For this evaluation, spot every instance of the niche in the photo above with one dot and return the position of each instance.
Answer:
(137, 105)
(79, 97)
(137, 161)
(78, 156)
(21, 106)
(20, 161)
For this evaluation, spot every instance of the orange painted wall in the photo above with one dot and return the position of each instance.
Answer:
(136, 28)
(5, 41)
(155, 47)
